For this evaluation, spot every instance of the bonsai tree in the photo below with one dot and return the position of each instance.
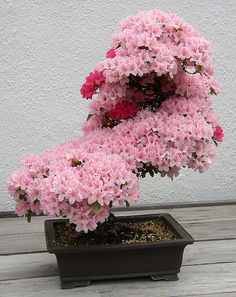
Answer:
(150, 112)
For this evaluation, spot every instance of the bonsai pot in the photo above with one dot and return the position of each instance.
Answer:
(80, 264)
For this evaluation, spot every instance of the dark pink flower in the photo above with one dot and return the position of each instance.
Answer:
(95, 78)
(123, 110)
(93, 81)
(111, 53)
(87, 90)
(218, 134)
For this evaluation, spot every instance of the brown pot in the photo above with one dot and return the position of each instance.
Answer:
(80, 264)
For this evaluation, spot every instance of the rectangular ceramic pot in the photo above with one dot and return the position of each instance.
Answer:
(81, 264)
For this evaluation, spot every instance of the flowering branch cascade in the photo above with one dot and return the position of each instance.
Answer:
(150, 113)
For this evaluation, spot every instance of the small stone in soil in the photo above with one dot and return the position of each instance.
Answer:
(116, 232)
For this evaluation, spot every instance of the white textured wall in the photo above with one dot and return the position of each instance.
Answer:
(48, 47)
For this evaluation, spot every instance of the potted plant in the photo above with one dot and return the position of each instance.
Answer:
(151, 113)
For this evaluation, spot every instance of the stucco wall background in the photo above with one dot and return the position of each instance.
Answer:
(48, 47)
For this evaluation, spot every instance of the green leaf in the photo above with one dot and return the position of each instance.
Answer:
(212, 91)
(199, 68)
(75, 163)
(143, 174)
(89, 116)
(124, 184)
(155, 169)
(215, 142)
(29, 215)
(151, 172)
(127, 203)
(178, 29)
(46, 174)
(95, 207)
(18, 190)
(110, 204)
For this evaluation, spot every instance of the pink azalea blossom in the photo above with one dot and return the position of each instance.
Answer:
(110, 53)
(87, 90)
(123, 110)
(218, 134)
(93, 81)
(153, 109)
(96, 78)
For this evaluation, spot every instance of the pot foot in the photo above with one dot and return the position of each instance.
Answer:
(71, 284)
(167, 277)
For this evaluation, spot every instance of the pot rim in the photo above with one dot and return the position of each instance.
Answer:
(183, 237)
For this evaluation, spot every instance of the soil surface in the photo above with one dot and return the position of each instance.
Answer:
(114, 231)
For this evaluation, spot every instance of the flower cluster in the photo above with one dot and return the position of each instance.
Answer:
(152, 114)
(111, 53)
(93, 81)
(218, 134)
(70, 182)
(123, 110)
(151, 43)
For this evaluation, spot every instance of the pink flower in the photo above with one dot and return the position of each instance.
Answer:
(218, 134)
(123, 110)
(21, 208)
(111, 53)
(96, 78)
(93, 81)
(87, 90)
(152, 54)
